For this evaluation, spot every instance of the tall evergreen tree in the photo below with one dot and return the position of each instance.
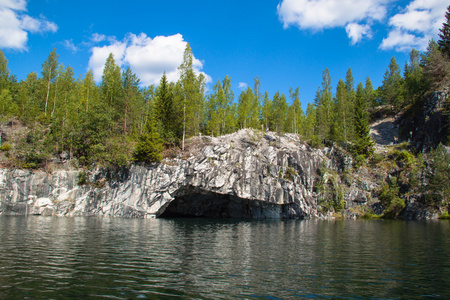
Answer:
(130, 98)
(323, 103)
(164, 109)
(392, 87)
(342, 121)
(111, 90)
(363, 141)
(149, 146)
(444, 35)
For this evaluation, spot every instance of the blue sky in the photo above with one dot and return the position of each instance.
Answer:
(286, 43)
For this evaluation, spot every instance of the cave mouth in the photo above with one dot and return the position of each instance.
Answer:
(212, 205)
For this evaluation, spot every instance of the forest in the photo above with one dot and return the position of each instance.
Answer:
(117, 121)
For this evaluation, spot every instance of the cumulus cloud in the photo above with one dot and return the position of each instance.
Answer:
(357, 31)
(321, 14)
(415, 25)
(15, 24)
(403, 41)
(148, 57)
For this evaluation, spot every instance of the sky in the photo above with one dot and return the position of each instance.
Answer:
(287, 43)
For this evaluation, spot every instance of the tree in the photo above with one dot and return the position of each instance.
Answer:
(350, 86)
(149, 146)
(193, 95)
(248, 109)
(295, 112)
(440, 177)
(342, 121)
(370, 93)
(131, 95)
(164, 109)
(363, 141)
(414, 81)
(49, 73)
(266, 111)
(111, 90)
(323, 103)
(444, 35)
(4, 72)
(392, 87)
(436, 67)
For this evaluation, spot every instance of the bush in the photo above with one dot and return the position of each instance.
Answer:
(5, 147)
(360, 160)
(444, 216)
(390, 200)
(82, 178)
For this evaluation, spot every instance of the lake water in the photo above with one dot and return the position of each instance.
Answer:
(60, 258)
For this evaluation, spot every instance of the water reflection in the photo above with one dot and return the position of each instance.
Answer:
(45, 257)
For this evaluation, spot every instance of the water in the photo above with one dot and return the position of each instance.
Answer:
(61, 258)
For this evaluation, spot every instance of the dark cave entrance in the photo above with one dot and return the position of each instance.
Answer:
(212, 205)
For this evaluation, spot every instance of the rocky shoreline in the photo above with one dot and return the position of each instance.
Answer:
(247, 174)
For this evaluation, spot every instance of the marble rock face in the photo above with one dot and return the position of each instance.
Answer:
(248, 174)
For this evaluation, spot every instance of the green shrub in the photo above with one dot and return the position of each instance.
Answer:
(82, 178)
(5, 147)
(390, 199)
(444, 216)
(360, 160)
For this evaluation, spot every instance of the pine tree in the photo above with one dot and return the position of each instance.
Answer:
(130, 98)
(323, 103)
(149, 146)
(414, 81)
(440, 177)
(111, 90)
(164, 109)
(363, 141)
(444, 35)
(392, 88)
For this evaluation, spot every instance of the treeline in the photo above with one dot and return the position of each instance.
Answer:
(118, 121)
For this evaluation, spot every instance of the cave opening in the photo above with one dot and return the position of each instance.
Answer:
(212, 205)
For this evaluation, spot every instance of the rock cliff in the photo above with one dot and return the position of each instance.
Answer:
(248, 174)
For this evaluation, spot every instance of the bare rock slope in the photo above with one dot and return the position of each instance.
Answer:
(246, 174)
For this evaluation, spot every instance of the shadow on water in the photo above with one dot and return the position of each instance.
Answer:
(201, 258)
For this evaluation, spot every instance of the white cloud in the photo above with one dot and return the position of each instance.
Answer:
(243, 85)
(15, 25)
(148, 58)
(404, 41)
(13, 4)
(321, 14)
(68, 44)
(357, 31)
(415, 25)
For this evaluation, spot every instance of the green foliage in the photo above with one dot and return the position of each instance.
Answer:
(82, 178)
(389, 198)
(360, 160)
(391, 91)
(440, 177)
(363, 142)
(444, 216)
(444, 35)
(5, 147)
(149, 146)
